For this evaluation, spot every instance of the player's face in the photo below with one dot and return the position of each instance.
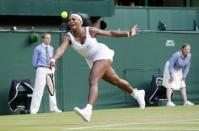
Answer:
(186, 51)
(47, 39)
(74, 22)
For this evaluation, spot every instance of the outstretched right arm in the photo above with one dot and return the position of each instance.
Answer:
(60, 50)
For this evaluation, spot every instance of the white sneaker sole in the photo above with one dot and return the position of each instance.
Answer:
(171, 105)
(56, 111)
(79, 112)
(188, 105)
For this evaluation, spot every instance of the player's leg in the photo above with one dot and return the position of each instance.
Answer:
(97, 72)
(111, 77)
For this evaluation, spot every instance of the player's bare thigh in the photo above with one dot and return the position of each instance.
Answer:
(99, 68)
(111, 76)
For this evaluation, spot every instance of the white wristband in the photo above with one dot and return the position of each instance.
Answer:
(128, 34)
(52, 60)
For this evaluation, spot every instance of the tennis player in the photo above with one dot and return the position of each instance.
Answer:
(99, 58)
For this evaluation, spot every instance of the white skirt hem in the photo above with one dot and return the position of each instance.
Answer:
(177, 83)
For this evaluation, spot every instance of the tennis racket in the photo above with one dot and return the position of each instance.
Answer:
(50, 78)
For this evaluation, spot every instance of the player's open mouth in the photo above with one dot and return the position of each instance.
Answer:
(72, 25)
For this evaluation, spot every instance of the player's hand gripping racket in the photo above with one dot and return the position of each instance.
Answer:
(51, 81)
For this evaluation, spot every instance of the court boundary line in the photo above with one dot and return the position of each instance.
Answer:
(127, 124)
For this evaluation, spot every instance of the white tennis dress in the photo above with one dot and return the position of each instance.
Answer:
(91, 50)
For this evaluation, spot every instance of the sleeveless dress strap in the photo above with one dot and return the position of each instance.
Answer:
(87, 32)
(71, 36)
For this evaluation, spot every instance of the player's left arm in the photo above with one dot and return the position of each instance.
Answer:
(113, 33)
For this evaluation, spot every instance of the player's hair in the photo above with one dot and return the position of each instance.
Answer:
(185, 45)
(44, 34)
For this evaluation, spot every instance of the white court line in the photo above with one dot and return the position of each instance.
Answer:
(152, 129)
(127, 124)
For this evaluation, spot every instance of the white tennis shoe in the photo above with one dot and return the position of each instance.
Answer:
(56, 110)
(139, 96)
(85, 114)
(188, 103)
(33, 113)
(171, 104)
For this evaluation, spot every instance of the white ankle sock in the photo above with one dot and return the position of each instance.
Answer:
(89, 107)
(134, 92)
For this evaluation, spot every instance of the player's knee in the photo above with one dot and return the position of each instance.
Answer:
(93, 82)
